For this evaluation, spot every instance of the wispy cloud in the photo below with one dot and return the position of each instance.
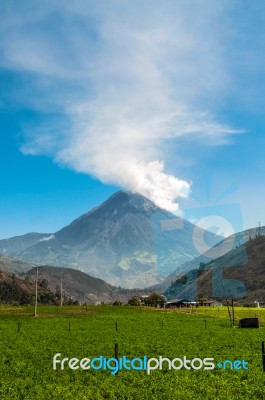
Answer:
(127, 76)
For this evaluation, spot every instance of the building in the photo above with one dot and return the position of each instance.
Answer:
(178, 303)
(210, 303)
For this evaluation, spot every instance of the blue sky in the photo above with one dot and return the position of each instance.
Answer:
(163, 98)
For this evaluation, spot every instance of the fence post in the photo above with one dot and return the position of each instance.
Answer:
(116, 354)
(263, 355)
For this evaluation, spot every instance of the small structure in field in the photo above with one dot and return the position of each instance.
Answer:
(211, 303)
(178, 303)
(249, 323)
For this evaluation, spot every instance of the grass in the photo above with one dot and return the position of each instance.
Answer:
(28, 345)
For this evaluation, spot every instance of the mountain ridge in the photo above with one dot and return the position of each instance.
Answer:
(240, 274)
(127, 241)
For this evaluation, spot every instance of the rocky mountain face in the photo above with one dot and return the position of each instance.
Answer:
(223, 247)
(10, 265)
(127, 241)
(240, 274)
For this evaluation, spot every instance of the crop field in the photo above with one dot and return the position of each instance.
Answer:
(28, 345)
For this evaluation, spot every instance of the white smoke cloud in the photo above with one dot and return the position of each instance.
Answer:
(127, 78)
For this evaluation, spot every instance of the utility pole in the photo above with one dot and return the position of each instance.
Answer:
(229, 312)
(259, 231)
(36, 292)
(61, 296)
(233, 312)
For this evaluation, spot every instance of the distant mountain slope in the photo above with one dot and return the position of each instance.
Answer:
(221, 248)
(20, 243)
(80, 286)
(127, 241)
(239, 274)
(11, 265)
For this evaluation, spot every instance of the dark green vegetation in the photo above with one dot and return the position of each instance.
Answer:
(16, 290)
(28, 345)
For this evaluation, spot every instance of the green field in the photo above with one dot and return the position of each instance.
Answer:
(29, 343)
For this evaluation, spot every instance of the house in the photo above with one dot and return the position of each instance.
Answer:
(178, 303)
(211, 303)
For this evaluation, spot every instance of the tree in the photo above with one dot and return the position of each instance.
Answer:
(202, 265)
(134, 301)
(58, 292)
(202, 298)
(154, 300)
(43, 283)
(117, 303)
